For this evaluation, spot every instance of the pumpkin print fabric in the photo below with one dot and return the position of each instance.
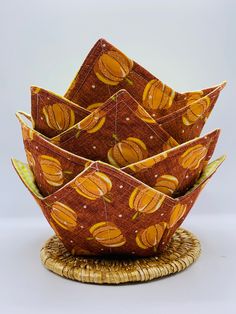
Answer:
(94, 226)
(51, 170)
(174, 171)
(161, 171)
(64, 216)
(187, 122)
(151, 236)
(53, 114)
(52, 167)
(117, 163)
(107, 70)
(112, 67)
(157, 96)
(126, 137)
(145, 200)
(107, 234)
(93, 186)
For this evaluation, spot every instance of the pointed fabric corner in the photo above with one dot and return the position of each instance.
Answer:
(187, 123)
(53, 114)
(106, 70)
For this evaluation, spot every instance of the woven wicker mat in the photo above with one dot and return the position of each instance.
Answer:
(182, 251)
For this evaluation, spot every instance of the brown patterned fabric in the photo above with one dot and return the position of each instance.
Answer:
(119, 132)
(107, 70)
(53, 167)
(105, 211)
(181, 115)
(53, 114)
(174, 171)
(187, 122)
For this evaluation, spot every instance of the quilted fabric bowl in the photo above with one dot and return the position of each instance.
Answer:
(117, 163)
(106, 71)
(105, 211)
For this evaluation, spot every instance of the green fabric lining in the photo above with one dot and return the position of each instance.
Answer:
(27, 176)
(208, 171)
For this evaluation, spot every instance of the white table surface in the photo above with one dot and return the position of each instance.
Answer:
(208, 286)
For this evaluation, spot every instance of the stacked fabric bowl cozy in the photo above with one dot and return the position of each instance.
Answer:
(117, 163)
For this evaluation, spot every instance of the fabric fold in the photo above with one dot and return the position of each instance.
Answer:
(119, 132)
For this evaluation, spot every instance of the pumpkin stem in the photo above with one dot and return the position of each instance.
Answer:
(135, 215)
(107, 199)
(115, 137)
(56, 140)
(129, 81)
(67, 172)
(89, 238)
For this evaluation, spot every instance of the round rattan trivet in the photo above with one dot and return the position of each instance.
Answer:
(182, 251)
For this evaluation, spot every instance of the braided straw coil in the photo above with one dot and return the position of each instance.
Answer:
(183, 249)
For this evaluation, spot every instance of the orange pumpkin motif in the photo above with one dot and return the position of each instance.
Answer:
(170, 143)
(93, 122)
(93, 186)
(158, 96)
(107, 234)
(192, 157)
(166, 184)
(127, 152)
(145, 200)
(196, 111)
(59, 117)
(112, 67)
(193, 96)
(142, 114)
(64, 216)
(177, 213)
(52, 170)
(151, 236)
(30, 158)
(148, 163)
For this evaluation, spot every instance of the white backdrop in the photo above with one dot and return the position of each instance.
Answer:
(187, 44)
